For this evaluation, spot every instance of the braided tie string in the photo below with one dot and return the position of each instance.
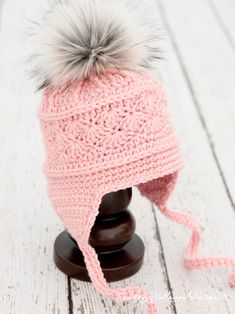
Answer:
(190, 259)
(97, 277)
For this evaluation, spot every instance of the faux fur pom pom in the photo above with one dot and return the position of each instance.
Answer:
(81, 37)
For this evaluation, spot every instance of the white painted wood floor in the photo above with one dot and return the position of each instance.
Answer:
(199, 74)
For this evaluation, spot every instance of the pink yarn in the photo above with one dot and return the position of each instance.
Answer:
(190, 259)
(107, 133)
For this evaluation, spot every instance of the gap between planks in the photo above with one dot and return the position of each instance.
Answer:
(214, 7)
(195, 100)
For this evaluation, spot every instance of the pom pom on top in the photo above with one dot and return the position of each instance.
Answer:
(81, 37)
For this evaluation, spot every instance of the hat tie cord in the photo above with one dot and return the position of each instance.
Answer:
(190, 259)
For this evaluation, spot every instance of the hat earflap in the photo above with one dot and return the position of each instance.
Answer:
(158, 192)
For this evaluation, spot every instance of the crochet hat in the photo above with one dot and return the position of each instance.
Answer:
(105, 124)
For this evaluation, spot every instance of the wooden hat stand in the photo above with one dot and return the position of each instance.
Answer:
(120, 250)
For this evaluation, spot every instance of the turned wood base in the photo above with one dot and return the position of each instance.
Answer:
(120, 250)
(116, 265)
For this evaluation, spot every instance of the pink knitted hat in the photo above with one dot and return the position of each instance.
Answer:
(105, 126)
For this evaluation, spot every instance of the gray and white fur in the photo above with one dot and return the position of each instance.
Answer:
(81, 37)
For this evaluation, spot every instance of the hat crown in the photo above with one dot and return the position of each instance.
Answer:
(78, 97)
(120, 122)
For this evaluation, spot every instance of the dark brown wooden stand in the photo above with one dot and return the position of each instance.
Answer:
(120, 250)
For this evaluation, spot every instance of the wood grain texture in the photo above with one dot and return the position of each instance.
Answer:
(224, 12)
(199, 76)
(29, 281)
(209, 63)
(201, 190)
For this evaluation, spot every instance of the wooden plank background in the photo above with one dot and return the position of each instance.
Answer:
(199, 75)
